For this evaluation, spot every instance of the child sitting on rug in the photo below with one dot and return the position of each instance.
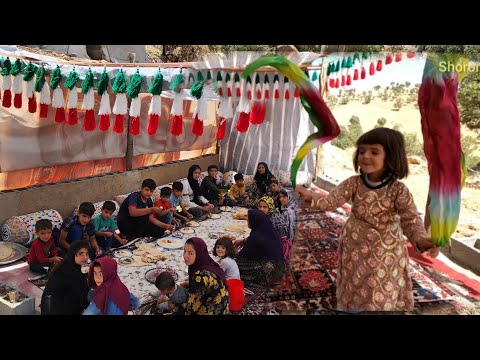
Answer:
(238, 191)
(176, 201)
(43, 253)
(109, 295)
(225, 251)
(105, 228)
(373, 268)
(172, 296)
(164, 219)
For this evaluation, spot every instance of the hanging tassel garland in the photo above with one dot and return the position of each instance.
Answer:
(286, 87)
(237, 85)
(220, 83)
(176, 113)
(58, 102)
(266, 87)
(228, 80)
(6, 83)
(155, 109)
(120, 107)
(379, 65)
(42, 87)
(17, 67)
(244, 117)
(276, 92)
(135, 106)
(372, 69)
(224, 111)
(70, 84)
(363, 74)
(88, 103)
(28, 75)
(105, 109)
(249, 88)
(388, 59)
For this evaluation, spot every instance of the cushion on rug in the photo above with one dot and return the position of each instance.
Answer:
(21, 229)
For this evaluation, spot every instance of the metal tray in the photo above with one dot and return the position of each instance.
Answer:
(20, 252)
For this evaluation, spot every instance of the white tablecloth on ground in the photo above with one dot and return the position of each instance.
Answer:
(134, 277)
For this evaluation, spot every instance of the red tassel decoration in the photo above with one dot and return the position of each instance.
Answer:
(349, 80)
(239, 94)
(7, 98)
(60, 115)
(277, 94)
(118, 125)
(257, 114)
(17, 101)
(220, 91)
(372, 69)
(176, 128)
(363, 74)
(221, 129)
(267, 94)
(355, 74)
(398, 57)
(197, 126)
(72, 117)
(379, 65)
(152, 124)
(88, 120)
(229, 92)
(343, 80)
(249, 94)
(135, 125)
(411, 54)
(243, 122)
(104, 123)
(296, 93)
(32, 104)
(337, 83)
(259, 94)
(43, 111)
(287, 94)
(389, 59)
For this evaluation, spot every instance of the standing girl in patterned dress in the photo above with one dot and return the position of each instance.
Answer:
(373, 269)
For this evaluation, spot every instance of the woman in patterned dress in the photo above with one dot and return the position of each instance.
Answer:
(373, 269)
(207, 285)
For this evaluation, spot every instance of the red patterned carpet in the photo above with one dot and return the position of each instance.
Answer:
(309, 286)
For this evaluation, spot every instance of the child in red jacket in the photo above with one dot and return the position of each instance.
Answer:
(43, 253)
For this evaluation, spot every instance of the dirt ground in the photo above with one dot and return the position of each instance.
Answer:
(338, 162)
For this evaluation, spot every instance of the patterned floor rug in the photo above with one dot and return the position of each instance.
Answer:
(309, 286)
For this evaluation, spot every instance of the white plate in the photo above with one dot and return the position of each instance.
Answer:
(122, 253)
(214, 216)
(186, 230)
(170, 243)
(193, 224)
(126, 260)
(226, 208)
(20, 252)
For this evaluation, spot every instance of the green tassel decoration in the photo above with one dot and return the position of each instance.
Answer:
(135, 85)
(40, 79)
(275, 78)
(157, 84)
(209, 75)
(314, 76)
(71, 80)
(29, 72)
(87, 83)
(266, 80)
(55, 77)
(337, 68)
(6, 67)
(175, 83)
(228, 77)
(103, 82)
(365, 55)
(200, 76)
(17, 67)
(236, 77)
(197, 89)
(344, 63)
(356, 57)
(120, 83)
(219, 76)
(349, 62)
(257, 79)
(285, 79)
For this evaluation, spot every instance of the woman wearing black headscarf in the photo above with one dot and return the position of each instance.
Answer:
(193, 199)
(261, 259)
(66, 290)
(262, 179)
(207, 285)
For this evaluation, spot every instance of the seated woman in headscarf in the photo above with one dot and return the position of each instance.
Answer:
(284, 220)
(193, 198)
(260, 185)
(66, 290)
(109, 295)
(207, 285)
(261, 259)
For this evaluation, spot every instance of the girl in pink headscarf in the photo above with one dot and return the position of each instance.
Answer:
(109, 295)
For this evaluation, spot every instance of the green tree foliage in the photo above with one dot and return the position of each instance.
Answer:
(348, 136)
(469, 100)
(469, 145)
